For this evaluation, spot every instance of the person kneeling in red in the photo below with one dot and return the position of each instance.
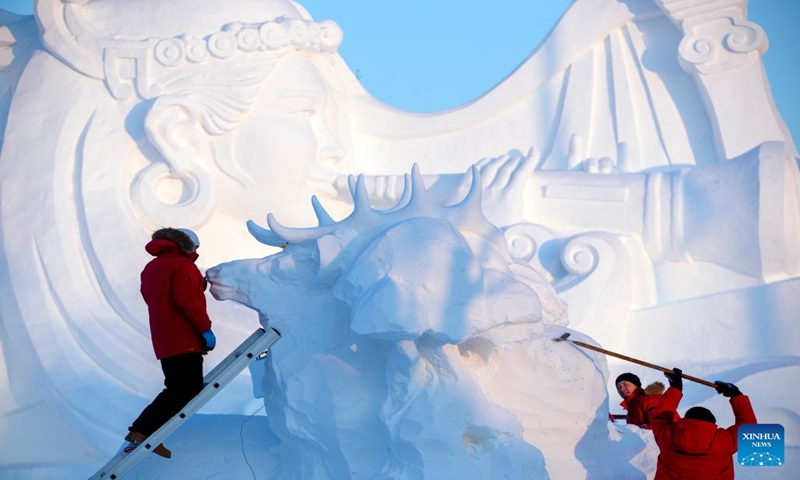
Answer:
(693, 446)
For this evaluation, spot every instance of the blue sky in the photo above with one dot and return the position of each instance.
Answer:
(429, 55)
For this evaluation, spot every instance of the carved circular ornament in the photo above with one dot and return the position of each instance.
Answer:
(318, 37)
(222, 44)
(247, 39)
(273, 35)
(170, 52)
(196, 50)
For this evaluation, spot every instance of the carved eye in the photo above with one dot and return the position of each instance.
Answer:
(303, 105)
(280, 267)
(306, 112)
(263, 267)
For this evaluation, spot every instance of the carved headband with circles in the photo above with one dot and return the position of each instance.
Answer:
(71, 38)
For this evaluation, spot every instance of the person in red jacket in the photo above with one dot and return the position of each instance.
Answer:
(693, 446)
(638, 403)
(174, 290)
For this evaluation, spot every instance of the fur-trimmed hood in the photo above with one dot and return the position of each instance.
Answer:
(655, 388)
(183, 240)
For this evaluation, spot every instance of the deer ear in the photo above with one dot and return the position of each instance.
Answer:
(173, 127)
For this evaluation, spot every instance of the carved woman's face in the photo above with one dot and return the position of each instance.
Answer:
(287, 148)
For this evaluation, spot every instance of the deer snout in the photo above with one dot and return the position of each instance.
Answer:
(219, 289)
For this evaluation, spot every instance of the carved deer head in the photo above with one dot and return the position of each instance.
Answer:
(416, 268)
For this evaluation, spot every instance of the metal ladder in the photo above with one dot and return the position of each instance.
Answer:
(251, 349)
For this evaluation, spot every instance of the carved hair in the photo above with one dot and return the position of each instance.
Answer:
(222, 73)
(224, 93)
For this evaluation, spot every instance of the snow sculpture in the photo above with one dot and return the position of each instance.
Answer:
(404, 330)
(662, 200)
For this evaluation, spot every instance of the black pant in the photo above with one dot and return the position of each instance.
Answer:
(183, 377)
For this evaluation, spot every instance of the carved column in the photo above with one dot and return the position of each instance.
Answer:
(722, 51)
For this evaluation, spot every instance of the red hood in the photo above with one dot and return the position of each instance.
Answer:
(693, 436)
(161, 246)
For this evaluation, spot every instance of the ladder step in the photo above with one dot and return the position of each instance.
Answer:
(214, 381)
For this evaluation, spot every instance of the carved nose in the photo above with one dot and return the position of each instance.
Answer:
(212, 273)
(329, 150)
(331, 154)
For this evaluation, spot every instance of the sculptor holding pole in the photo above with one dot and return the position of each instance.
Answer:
(694, 446)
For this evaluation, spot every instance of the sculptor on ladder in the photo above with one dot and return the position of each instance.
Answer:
(174, 290)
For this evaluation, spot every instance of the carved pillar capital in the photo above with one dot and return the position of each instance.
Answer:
(717, 36)
(722, 50)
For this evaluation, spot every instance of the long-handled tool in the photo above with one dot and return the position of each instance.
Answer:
(565, 338)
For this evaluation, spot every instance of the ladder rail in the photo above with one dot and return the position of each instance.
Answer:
(214, 381)
(246, 344)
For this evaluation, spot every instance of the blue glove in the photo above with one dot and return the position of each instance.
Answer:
(210, 339)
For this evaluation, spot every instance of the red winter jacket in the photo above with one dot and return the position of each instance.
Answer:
(173, 288)
(695, 449)
(640, 406)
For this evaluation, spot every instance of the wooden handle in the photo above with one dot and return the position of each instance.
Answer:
(695, 379)
(640, 362)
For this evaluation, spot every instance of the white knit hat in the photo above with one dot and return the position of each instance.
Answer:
(191, 235)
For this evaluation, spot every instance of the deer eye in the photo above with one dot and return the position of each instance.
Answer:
(280, 267)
